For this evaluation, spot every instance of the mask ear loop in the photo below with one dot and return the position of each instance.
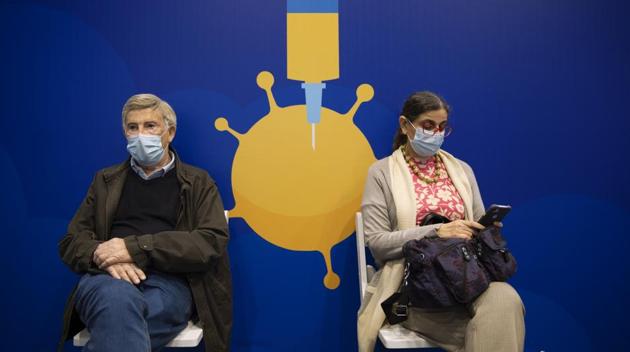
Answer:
(409, 122)
(415, 130)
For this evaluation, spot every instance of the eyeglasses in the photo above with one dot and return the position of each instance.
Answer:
(429, 127)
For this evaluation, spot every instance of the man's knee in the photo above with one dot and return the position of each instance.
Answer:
(109, 293)
(168, 298)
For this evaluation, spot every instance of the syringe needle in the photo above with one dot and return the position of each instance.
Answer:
(313, 95)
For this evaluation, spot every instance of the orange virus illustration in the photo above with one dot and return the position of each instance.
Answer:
(293, 195)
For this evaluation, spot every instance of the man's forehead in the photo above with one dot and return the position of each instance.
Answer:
(137, 116)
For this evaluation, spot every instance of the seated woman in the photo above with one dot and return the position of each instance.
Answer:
(417, 179)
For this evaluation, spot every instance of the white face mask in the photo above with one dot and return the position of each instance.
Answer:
(146, 149)
(426, 145)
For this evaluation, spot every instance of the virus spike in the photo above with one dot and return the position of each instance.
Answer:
(221, 124)
(365, 93)
(331, 280)
(265, 81)
(235, 212)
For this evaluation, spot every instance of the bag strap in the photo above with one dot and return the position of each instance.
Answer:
(396, 306)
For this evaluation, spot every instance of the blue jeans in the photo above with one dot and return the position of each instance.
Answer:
(124, 317)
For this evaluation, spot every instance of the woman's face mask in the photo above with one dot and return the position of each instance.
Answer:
(426, 144)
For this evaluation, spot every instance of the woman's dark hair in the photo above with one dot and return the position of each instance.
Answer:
(417, 104)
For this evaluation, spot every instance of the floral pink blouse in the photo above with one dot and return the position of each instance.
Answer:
(440, 197)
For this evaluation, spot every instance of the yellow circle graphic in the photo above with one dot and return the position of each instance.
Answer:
(292, 195)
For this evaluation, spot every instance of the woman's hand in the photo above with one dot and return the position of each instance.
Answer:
(459, 228)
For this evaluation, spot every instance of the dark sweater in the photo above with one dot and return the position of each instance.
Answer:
(147, 206)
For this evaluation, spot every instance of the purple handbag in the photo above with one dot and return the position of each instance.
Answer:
(493, 254)
(444, 272)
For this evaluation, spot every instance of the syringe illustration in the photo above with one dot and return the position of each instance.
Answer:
(312, 50)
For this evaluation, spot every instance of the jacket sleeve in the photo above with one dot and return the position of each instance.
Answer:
(186, 251)
(382, 237)
(78, 245)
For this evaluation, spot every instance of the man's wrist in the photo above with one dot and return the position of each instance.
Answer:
(92, 266)
(138, 248)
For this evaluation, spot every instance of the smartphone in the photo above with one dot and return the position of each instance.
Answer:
(495, 213)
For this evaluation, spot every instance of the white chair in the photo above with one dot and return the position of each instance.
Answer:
(392, 336)
(189, 337)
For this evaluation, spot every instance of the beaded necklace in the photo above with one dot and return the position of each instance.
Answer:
(416, 170)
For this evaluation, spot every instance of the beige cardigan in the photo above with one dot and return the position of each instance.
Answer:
(389, 220)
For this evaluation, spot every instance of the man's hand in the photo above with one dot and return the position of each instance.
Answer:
(126, 271)
(111, 252)
(459, 228)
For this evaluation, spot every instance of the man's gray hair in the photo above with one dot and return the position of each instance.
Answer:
(149, 101)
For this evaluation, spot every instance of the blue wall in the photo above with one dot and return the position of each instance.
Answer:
(538, 90)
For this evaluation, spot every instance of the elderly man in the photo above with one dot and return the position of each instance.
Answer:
(150, 239)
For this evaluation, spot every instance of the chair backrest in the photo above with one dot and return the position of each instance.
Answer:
(363, 280)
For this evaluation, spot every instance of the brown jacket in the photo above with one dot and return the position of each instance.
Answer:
(196, 248)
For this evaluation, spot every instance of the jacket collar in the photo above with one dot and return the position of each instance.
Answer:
(183, 174)
(115, 171)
